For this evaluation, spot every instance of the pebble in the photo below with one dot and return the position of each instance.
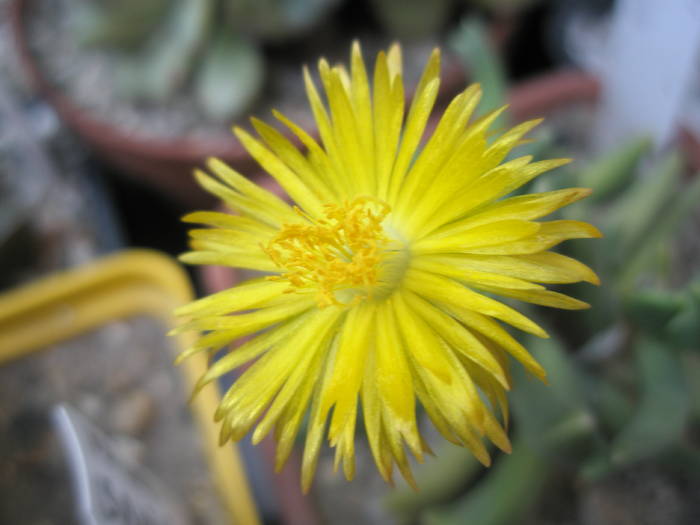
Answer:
(638, 496)
(132, 414)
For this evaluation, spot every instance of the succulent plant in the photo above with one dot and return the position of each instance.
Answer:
(412, 19)
(273, 20)
(211, 47)
(417, 19)
(625, 389)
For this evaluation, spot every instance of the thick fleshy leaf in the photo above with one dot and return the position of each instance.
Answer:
(229, 77)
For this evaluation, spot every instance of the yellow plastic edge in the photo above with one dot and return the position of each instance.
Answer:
(66, 304)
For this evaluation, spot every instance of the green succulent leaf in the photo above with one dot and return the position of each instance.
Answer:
(229, 78)
(439, 480)
(553, 418)
(691, 367)
(511, 488)
(651, 310)
(120, 23)
(684, 329)
(610, 173)
(655, 219)
(471, 43)
(638, 209)
(165, 64)
(663, 410)
(275, 19)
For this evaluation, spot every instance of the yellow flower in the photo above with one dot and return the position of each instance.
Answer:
(383, 274)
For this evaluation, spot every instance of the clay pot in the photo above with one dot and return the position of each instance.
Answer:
(546, 93)
(164, 163)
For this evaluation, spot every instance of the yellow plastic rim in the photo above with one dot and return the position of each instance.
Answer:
(133, 282)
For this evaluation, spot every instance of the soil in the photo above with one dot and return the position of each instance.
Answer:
(87, 76)
(120, 377)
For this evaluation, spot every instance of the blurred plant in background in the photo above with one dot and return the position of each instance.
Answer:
(415, 19)
(624, 398)
(623, 391)
(211, 47)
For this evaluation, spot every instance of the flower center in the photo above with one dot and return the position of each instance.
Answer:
(339, 255)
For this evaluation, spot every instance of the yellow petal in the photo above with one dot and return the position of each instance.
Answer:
(372, 411)
(394, 383)
(317, 156)
(249, 322)
(317, 422)
(325, 130)
(286, 178)
(241, 203)
(294, 159)
(235, 259)
(454, 408)
(438, 150)
(275, 374)
(418, 114)
(543, 267)
(523, 207)
(421, 342)
(232, 222)
(241, 297)
(387, 119)
(494, 184)
(345, 445)
(222, 239)
(393, 439)
(542, 297)
(550, 234)
(466, 163)
(395, 62)
(346, 378)
(362, 106)
(489, 386)
(445, 291)
(491, 234)
(313, 338)
(456, 268)
(495, 332)
(266, 199)
(249, 350)
(458, 337)
(289, 423)
(498, 150)
(436, 416)
(358, 163)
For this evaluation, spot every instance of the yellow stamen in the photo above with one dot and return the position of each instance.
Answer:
(341, 251)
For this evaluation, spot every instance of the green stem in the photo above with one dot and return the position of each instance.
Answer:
(439, 480)
(503, 496)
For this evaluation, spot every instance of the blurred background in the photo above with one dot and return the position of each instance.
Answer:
(106, 106)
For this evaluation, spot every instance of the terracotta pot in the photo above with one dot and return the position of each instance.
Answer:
(544, 94)
(164, 163)
(549, 92)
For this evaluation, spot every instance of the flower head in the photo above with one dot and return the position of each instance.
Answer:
(382, 276)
